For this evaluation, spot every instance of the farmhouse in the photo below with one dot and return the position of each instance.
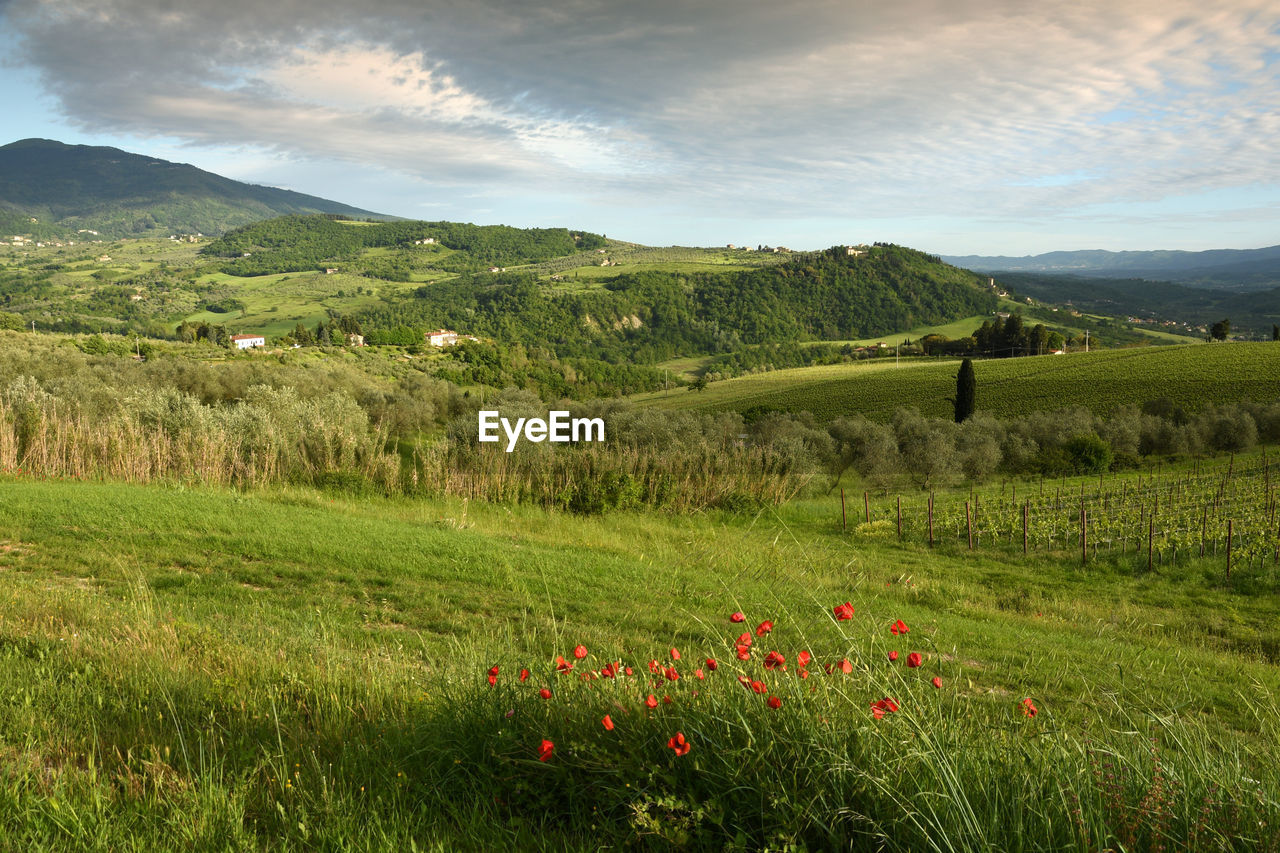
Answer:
(354, 340)
(248, 341)
(442, 338)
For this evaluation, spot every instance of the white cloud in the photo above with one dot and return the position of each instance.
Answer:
(801, 110)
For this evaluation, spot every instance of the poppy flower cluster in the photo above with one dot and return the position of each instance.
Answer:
(667, 675)
(1029, 708)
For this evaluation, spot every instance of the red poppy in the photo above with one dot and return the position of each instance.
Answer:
(667, 700)
(711, 664)
(759, 687)
(737, 617)
(544, 751)
(843, 612)
(629, 671)
(744, 639)
(893, 655)
(671, 674)
(699, 674)
(679, 744)
(744, 681)
(493, 680)
(654, 667)
(675, 654)
(775, 703)
(651, 702)
(804, 673)
(493, 670)
(545, 693)
(880, 707)
(803, 659)
(845, 666)
(763, 628)
(1029, 708)
(774, 660)
(609, 670)
(607, 722)
(899, 627)
(937, 682)
(579, 652)
(524, 675)
(493, 675)
(744, 652)
(914, 660)
(562, 665)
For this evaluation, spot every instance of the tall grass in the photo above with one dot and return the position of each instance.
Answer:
(133, 729)
(275, 436)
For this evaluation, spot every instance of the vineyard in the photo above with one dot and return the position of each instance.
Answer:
(1225, 510)
(1189, 376)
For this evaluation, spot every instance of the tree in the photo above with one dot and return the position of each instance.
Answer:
(1220, 329)
(966, 391)
(1275, 332)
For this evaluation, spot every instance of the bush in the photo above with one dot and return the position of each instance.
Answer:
(1089, 454)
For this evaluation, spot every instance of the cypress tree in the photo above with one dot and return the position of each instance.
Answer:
(1275, 332)
(966, 391)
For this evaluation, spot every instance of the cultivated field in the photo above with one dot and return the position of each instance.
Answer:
(1190, 376)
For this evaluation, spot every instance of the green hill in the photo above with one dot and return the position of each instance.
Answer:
(66, 188)
(1190, 376)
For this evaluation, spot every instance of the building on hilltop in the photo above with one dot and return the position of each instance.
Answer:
(442, 338)
(248, 341)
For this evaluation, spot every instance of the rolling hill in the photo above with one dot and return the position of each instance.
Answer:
(1189, 376)
(51, 189)
(1234, 269)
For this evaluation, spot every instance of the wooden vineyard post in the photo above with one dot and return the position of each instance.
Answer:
(1151, 538)
(1084, 536)
(1204, 526)
(931, 519)
(843, 525)
(899, 516)
(1026, 508)
(866, 506)
(1228, 549)
(968, 520)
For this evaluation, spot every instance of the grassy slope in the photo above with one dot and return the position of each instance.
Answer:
(286, 669)
(1191, 376)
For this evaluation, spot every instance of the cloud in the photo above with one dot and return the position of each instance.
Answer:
(811, 109)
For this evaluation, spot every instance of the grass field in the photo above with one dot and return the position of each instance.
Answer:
(964, 328)
(293, 670)
(1191, 376)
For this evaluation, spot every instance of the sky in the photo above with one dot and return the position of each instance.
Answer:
(960, 127)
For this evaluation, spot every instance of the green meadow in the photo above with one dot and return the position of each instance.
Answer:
(1190, 376)
(291, 669)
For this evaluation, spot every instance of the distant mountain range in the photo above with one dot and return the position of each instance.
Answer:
(1231, 269)
(67, 188)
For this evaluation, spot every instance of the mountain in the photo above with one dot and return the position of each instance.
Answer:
(1251, 312)
(66, 188)
(1230, 269)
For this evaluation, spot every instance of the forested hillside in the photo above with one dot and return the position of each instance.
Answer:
(655, 315)
(304, 243)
